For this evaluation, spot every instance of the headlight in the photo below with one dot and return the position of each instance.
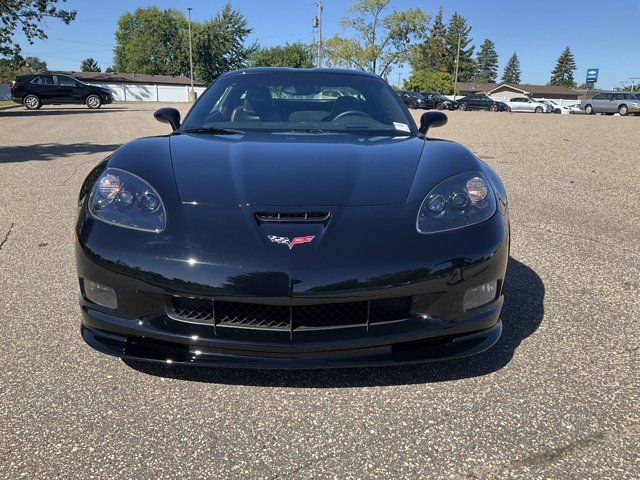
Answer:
(124, 199)
(460, 201)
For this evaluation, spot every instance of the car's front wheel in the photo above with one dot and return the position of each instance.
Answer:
(93, 101)
(32, 102)
(493, 108)
(623, 110)
(538, 110)
(463, 106)
(440, 106)
(589, 110)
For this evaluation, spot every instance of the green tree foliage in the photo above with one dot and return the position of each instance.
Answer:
(294, 55)
(89, 65)
(152, 41)
(511, 72)
(440, 82)
(487, 62)
(562, 75)
(430, 56)
(109, 70)
(219, 45)
(11, 67)
(458, 28)
(380, 41)
(28, 15)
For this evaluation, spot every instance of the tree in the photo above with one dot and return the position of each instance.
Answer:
(511, 72)
(430, 55)
(109, 70)
(459, 29)
(16, 65)
(28, 15)
(152, 41)
(487, 63)
(295, 55)
(429, 82)
(562, 75)
(89, 65)
(219, 45)
(380, 41)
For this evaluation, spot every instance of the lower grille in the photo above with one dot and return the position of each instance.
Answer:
(317, 316)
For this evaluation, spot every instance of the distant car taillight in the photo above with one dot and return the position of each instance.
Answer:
(14, 85)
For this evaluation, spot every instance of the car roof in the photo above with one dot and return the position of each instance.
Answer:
(342, 71)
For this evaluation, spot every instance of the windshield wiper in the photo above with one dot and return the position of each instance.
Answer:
(213, 131)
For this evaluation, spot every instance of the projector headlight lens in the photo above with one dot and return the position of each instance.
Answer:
(463, 200)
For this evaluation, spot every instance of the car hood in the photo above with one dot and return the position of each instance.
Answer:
(283, 169)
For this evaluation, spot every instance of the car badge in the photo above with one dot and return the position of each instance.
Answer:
(291, 243)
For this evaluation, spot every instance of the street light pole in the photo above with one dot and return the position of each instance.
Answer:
(319, 17)
(455, 81)
(192, 93)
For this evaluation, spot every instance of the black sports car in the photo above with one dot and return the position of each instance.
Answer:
(273, 228)
(439, 101)
(413, 100)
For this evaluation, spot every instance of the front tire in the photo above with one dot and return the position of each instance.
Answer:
(623, 110)
(463, 107)
(493, 108)
(440, 106)
(538, 110)
(93, 102)
(32, 102)
(589, 110)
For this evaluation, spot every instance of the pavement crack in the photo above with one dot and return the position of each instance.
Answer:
(6, 237)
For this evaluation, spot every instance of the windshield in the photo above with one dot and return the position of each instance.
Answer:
(298, 101)
(439, 96)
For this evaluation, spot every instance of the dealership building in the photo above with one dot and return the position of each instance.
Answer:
(511, 90)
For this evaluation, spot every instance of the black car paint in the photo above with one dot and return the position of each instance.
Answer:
(435, 100)
(56, 94)
(213, 247)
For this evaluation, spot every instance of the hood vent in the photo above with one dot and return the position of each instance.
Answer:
(293, 217)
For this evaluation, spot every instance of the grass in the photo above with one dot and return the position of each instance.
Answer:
(6, 103)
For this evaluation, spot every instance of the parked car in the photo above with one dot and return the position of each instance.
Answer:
(412, 99)
(576, 110)
(273, 255)
(623, 103)
(33, 91)
(439, 101)
(557, 107)
(525, 104)
(482, 102)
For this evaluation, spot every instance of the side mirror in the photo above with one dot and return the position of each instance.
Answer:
(432, 120)
(168, 115)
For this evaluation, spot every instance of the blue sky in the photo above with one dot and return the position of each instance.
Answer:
(600, 34)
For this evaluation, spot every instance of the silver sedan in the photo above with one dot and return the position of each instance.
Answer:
(612, 102)
(526, 104)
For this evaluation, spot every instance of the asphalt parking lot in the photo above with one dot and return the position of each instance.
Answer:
(557, 397)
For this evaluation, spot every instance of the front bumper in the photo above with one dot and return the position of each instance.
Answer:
(415, 340)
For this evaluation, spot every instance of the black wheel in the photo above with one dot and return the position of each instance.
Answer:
(623, 110)
(493, 108)
(440, 106)
(93, 101)
(557, 110)
(589, 110)
(32, 102)
(538, 110)
(463, 106)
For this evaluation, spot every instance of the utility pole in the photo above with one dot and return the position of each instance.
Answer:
(317, 22)
(399, 87)
(192, 93)
(455, 81)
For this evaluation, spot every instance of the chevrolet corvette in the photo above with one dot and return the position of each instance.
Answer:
(275, 227)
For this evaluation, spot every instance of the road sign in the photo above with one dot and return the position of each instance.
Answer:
(592, 75)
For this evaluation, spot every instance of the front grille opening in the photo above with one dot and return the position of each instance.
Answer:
(330, 315)
(292, 217)
(284, 317)
(252, 315)
(193, 309)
